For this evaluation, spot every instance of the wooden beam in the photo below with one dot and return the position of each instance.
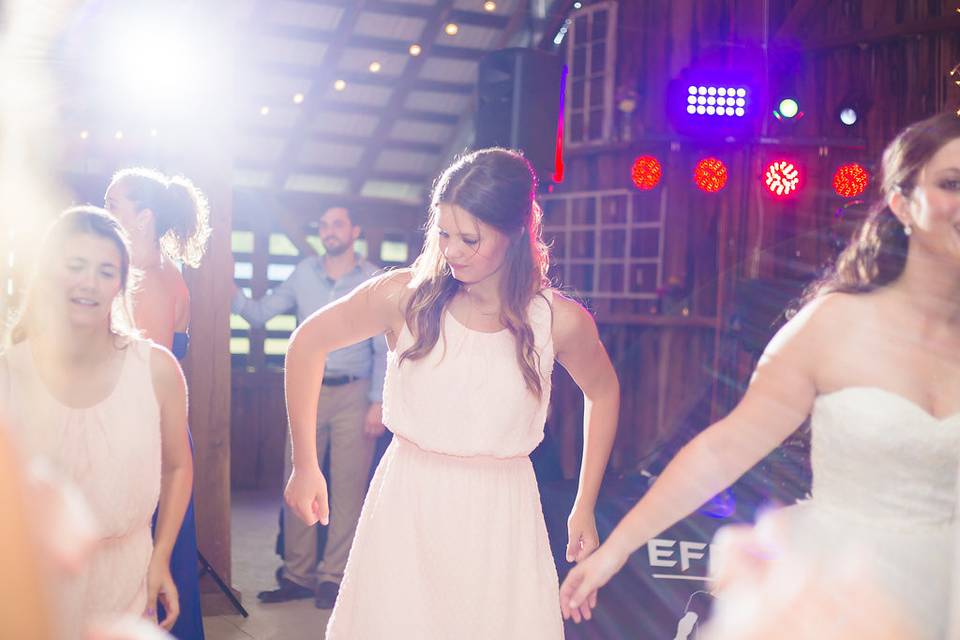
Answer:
(796, 18)
(320, 87)
(466, 118)
(441, 14)
(322, 77)
(390, 45)
(402, 114)
(945, 24)
(343, 138)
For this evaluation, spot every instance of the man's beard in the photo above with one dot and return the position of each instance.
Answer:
(336, 249)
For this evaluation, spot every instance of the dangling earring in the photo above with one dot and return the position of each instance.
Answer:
(907, 230)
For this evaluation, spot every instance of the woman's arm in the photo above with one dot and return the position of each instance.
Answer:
(581, 353)
(176, 479)
(371, 309)
(25, 611)
(778, 400)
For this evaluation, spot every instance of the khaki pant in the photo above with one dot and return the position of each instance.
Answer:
(340, 416)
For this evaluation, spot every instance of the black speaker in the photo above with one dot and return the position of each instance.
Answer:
(518, 103)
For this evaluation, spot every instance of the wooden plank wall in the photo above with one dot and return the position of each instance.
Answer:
(895, 55)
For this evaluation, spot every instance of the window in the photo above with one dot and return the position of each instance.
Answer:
(606, 244)
(591, 59)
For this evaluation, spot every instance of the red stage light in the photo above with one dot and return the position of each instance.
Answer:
(850, 180)
(782, 178)
(710, 175)
(646, 172)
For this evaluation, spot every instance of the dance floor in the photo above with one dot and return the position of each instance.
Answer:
(254, 531)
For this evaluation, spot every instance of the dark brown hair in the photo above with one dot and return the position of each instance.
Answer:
(498, 187)
(877, 253)
(180, 210)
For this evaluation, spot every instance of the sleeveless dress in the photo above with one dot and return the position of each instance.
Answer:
(885, 488)
(111, 453)
(451, 541)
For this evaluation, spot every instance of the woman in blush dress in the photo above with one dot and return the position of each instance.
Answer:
(107, 409)
(451, 542)
(873, 358)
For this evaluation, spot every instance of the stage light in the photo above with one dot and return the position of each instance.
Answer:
(84, 134)
(848, 116)
(118, 135)
(782, 178)
(489, 5)
(415, 49)
(451, 29)
(646, 172)
(153, 133)
(788, 108)
(710, 175)
(578, 5)
(158, 67)
(298, 98)
(264, 110)
(340, 85)
(850, 180)
(717, 101)
(375, 67)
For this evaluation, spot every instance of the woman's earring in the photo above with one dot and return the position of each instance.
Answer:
(907, 229)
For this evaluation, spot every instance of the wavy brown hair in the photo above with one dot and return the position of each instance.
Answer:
(498, 187)
(72, 222)
(877, 254)
(181, 213)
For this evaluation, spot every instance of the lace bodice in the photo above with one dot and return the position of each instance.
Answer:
(879, 457)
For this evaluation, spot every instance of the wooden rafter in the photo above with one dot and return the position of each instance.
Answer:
(343, 138)
(795, 20)
(440, 16)
(390, 45)
(944, 24)
(373, 79)
(318, 89)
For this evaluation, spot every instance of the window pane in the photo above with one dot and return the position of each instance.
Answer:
(360, 246)
(576, 127)
(280, 245)
(275, 346)
(584, 211)
(596, 125)
(242, 270)
(599, 30)
(578, 94)
(579, 62)
(582, 244)
(279, 272)
(613, 209)
(286, 322)
(598, 57)
(613, 243)
(393, 251)
(580, 29)
(596, 92)
(240, 346)
(237, 322)
(241, 241)
(317, 245)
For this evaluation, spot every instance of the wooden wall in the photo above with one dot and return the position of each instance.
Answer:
(894, 56)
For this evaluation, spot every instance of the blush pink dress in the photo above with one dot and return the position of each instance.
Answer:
(111, 453)
(451, 542)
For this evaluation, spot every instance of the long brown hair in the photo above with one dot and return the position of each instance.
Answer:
(498, 187)
(180, 210)
(74, 221)
(877, 254)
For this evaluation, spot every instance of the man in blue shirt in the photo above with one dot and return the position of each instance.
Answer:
(349, 415)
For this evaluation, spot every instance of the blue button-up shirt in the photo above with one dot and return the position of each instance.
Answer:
(309, 288)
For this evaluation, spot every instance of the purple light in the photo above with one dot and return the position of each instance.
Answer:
(710, 100)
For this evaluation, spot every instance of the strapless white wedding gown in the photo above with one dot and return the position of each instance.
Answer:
(885, 486)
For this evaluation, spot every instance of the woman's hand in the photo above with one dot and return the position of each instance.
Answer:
(160, 587)
(306, 494)
(581, 534)
(578, 594)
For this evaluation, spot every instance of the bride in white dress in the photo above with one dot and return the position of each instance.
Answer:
(873, 357)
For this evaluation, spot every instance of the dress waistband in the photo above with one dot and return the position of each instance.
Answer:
(480, 458)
